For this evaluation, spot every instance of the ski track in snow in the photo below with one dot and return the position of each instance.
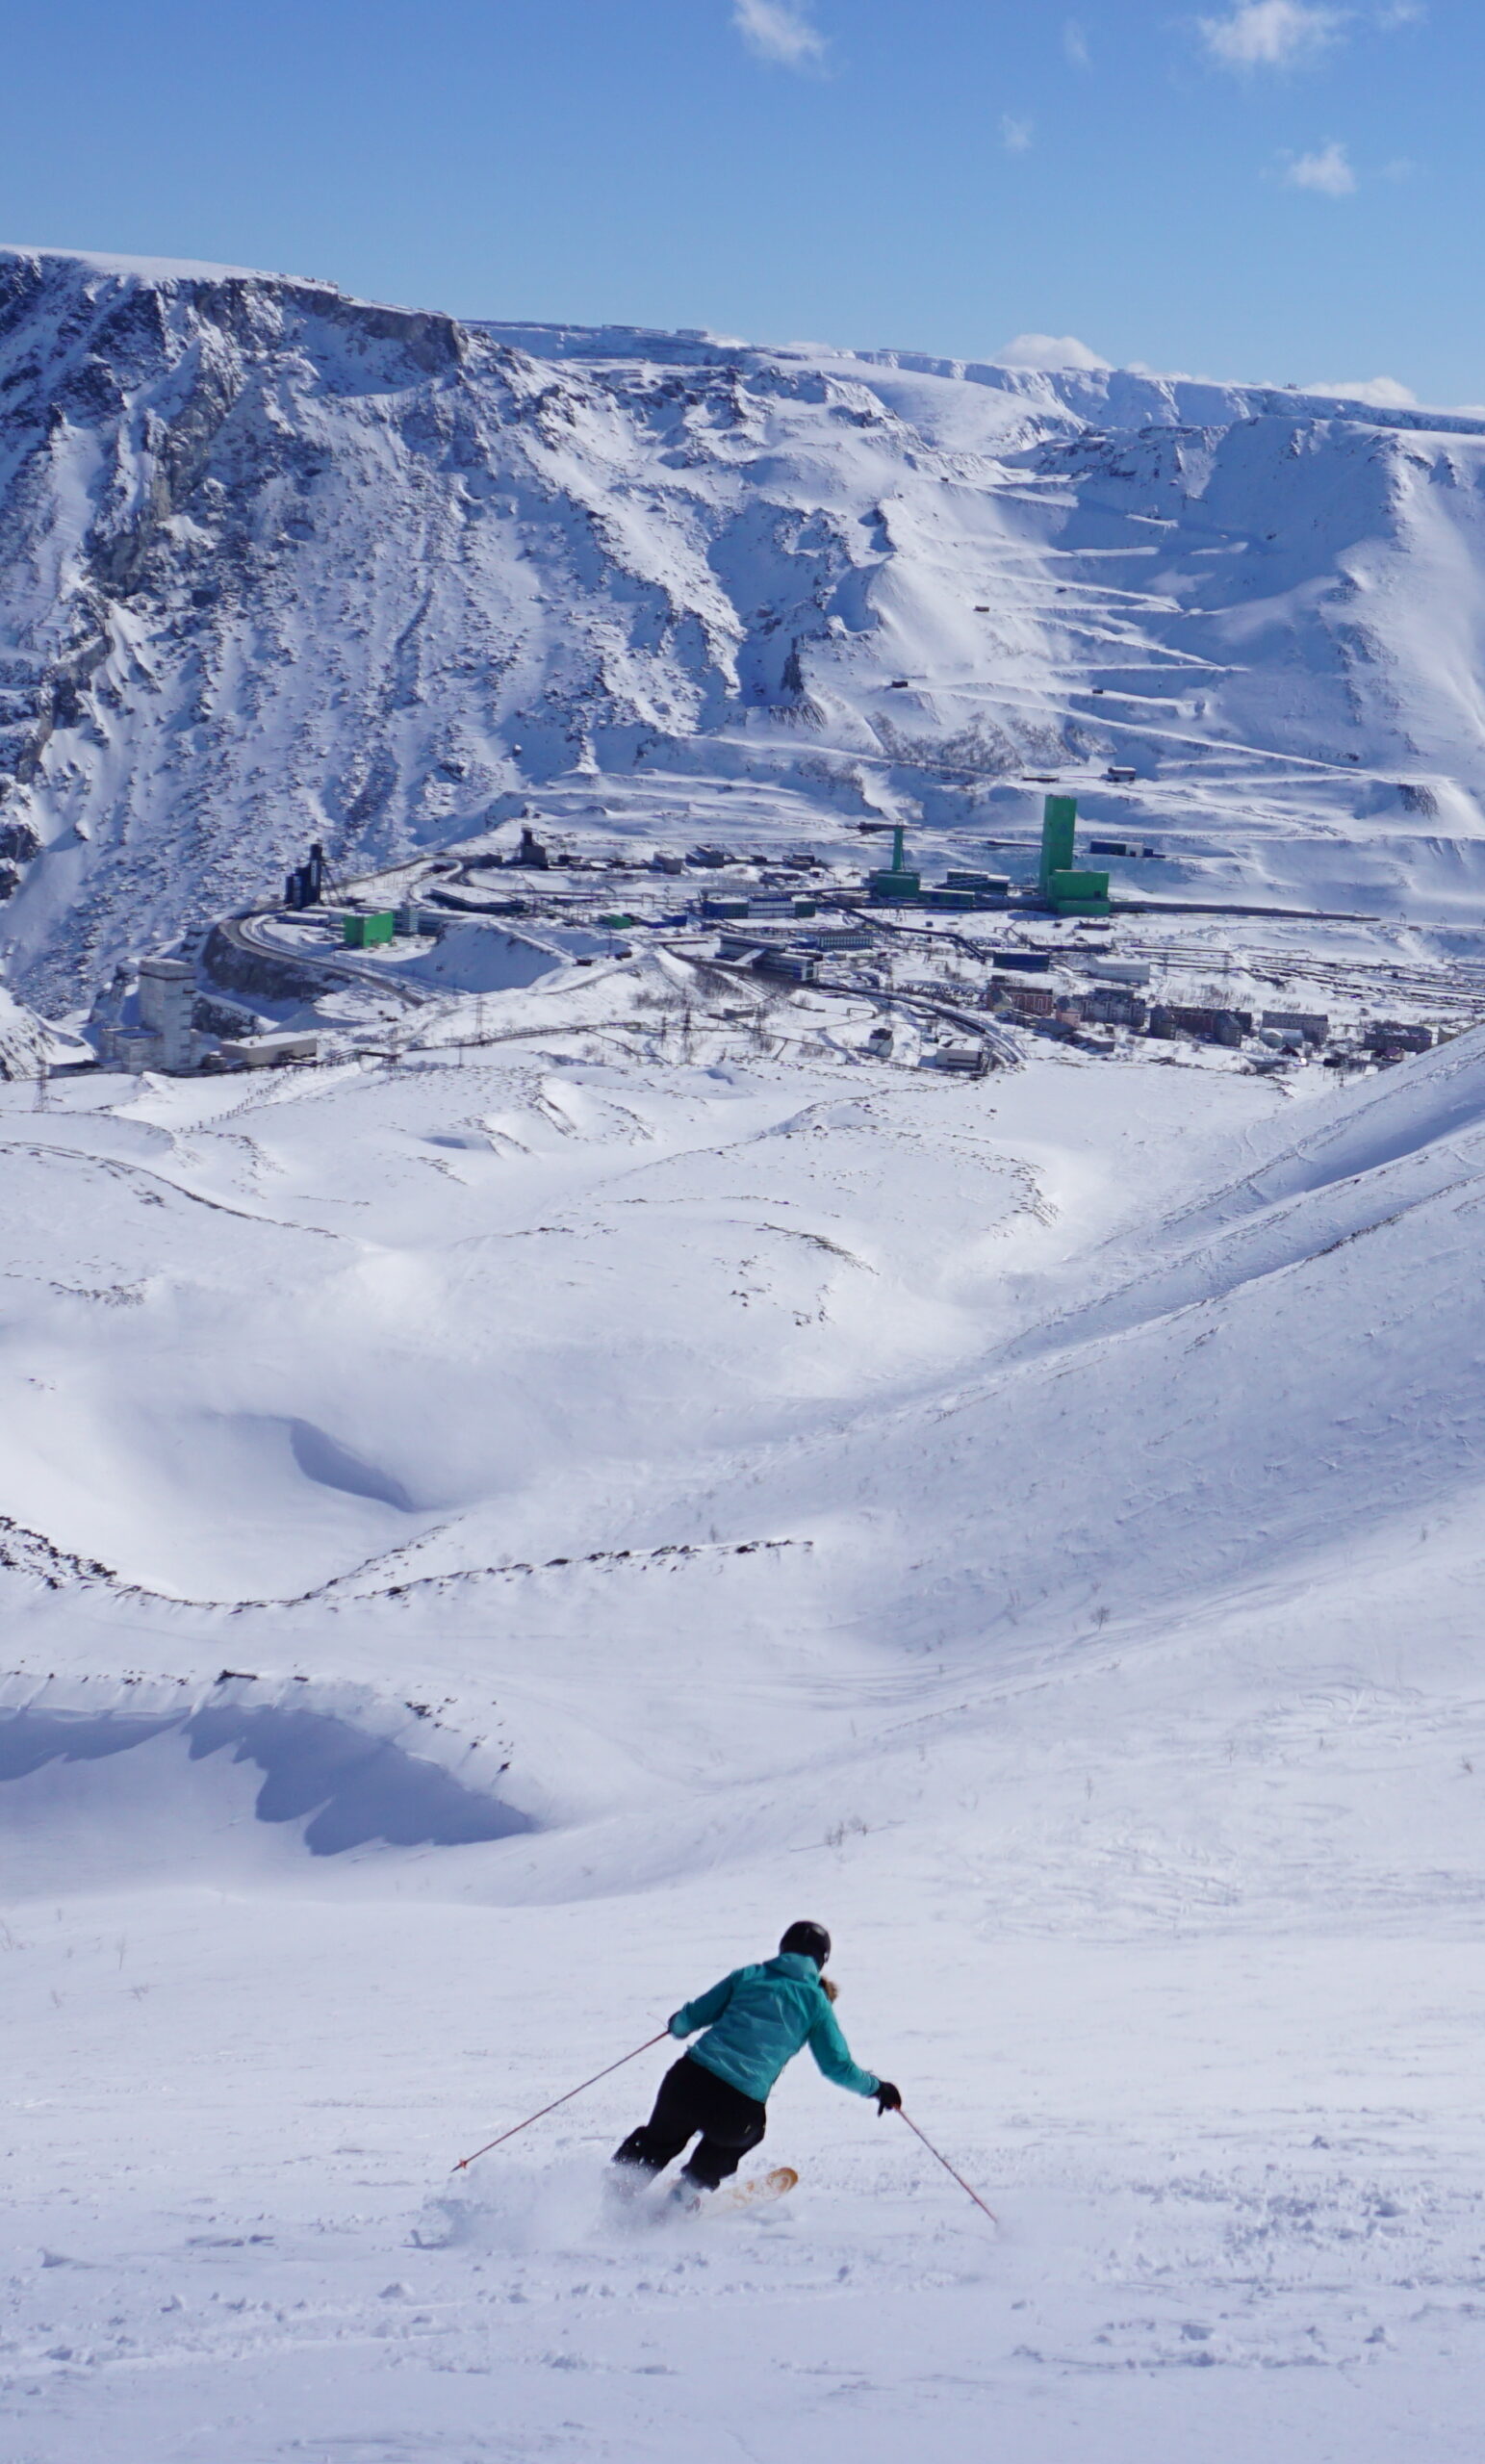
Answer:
(1317, 2262)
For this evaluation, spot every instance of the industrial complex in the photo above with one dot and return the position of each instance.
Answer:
(951, 974)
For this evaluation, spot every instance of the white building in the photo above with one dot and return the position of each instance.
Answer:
(166, 997)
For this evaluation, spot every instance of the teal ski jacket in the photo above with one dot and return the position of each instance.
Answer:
(758, 2019)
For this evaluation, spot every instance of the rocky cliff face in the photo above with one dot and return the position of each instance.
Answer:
(277, 564)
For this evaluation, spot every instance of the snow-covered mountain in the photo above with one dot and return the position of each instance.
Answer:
(275, 564)
(616, 1455)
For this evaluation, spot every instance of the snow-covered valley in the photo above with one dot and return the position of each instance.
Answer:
(1035, 1527)
(611, 1458)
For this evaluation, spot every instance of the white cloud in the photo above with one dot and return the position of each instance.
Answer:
(1272, 34)
(1400, 13)
(1015, 135)
(1328, 172)
(1383, 393)
(1048, 351)
(779, 30)
(1075, 44)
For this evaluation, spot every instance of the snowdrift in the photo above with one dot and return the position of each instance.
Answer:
(100, 1788)
(641, 1390)
(1278, 1370)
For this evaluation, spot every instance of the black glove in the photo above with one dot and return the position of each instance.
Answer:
(889, 2101)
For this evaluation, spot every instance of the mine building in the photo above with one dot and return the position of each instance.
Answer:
(1066, 890)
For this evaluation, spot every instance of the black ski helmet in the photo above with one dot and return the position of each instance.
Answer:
(811, 1939)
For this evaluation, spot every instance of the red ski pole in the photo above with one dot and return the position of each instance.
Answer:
(466, 2161)
(947, 2166)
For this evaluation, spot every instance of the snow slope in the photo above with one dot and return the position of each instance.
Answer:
(275, 563)
(492, 1539)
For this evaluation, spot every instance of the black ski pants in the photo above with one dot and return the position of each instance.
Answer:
(692, 2098)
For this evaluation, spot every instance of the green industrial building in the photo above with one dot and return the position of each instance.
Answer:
(895, 886)
(1069, 891)
(367, 932)
(1064, 888)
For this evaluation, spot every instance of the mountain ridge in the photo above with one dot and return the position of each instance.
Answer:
(284, 564)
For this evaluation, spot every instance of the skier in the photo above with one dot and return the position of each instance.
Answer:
(756, 2019)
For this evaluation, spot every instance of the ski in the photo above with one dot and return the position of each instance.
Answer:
(756, 2193)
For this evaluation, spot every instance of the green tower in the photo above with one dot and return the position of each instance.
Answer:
(895, 886)
(1070, 892)
(1059, 820)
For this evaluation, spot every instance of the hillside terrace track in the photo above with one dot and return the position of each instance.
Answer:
(1200, 751)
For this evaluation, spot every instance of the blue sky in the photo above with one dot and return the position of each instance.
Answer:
(1267, 189)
